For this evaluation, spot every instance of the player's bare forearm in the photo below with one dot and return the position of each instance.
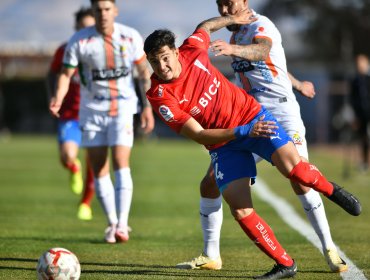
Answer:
(306, 88)
(193, 130)
(257, 51)
(144, 82)
(216, 23)
(213, 24)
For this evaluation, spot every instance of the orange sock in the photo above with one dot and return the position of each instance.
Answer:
(263, 236)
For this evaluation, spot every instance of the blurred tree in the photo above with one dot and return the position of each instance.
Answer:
(331, 30)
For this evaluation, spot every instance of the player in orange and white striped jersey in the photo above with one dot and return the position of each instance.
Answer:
(106, 56)
(260, 68)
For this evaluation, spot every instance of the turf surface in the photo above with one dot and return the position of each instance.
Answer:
(38, 211)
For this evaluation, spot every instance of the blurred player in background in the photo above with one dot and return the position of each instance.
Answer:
(259, 64)
(360, 101)
(194, 99)
(106, 55)
(69, 133)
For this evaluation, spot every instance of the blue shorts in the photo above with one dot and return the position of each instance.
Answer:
(69, 130)
(235, 160)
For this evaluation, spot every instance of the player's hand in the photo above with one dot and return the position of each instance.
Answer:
(258, 128)
(54, 107)
(244, 17)
(307, 89)
(147, 120)
(263, 128)
(220, 47)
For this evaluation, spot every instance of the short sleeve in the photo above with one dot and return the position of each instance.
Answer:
(70, 58)
(199, 39)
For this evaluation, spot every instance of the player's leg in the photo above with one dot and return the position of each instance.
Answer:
(289, 163)
(121, 138)
(84, 209)
(310, 199)
(211, 216)
(69, 138)
(238, 196)
(104, 188)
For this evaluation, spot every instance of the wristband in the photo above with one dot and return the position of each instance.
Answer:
(244, 130)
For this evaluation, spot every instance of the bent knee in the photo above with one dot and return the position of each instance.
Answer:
(241, 213)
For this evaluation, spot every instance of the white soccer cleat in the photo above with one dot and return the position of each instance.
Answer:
(202, 262)
(110, 234)
(336, 263)
(122, 235)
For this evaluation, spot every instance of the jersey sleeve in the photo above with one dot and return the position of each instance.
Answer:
(139, 54)
(70, 58)
(167, 108)
(56, 63)
(262, 29)
(199, 39)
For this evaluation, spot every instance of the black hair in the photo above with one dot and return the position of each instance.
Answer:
(83, 12)
(94, 1)
(158, 39)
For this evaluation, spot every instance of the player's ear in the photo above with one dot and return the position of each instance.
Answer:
(177, 52)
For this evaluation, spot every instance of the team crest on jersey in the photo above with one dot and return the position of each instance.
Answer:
(160, 91)
(166, 113)
(297, 139)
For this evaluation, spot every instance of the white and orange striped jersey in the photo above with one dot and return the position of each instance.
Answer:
(106, 68)
(263, 79)
(268, 80)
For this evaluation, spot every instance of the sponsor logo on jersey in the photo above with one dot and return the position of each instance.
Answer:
(166, 113)
(183, 99)
(241, 66)
(208, 95)
(297, 139)
(110, 74)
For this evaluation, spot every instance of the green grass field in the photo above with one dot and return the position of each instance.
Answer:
(38, 211)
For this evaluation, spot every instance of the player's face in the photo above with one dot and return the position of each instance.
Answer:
(105, 13)
(165, 63)
(231, 7)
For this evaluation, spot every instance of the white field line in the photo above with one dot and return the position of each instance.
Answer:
(290, 216)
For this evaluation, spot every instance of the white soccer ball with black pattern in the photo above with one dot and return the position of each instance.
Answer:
(58, 264)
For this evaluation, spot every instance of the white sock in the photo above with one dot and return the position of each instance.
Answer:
(105, 194)
(124, 188)
(211, 217)
(315, 211)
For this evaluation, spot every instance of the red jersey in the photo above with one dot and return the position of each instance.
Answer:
(201, 91)
(71, 102)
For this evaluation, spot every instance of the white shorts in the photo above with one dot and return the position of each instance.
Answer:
(99, 129)
(288, 115)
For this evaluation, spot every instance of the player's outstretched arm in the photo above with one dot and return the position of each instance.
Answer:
(216, 23)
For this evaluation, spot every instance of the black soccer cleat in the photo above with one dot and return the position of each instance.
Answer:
(345, 200)
(279, 271)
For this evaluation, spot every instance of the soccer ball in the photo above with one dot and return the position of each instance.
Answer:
(58, 264)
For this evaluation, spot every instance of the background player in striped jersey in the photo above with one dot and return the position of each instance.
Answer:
(260, 67)
(69, 133)
(107, 55)
(194, 99)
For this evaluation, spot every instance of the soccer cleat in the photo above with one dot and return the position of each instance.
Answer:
(202, 262)
(279, 271)
(76, 180)
(335, 262)
(121, 235)
(84, 212)
(110, 234)
(345, 200)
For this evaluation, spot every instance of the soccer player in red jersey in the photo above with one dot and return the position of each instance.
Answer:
(69, 133)
(194, 99)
